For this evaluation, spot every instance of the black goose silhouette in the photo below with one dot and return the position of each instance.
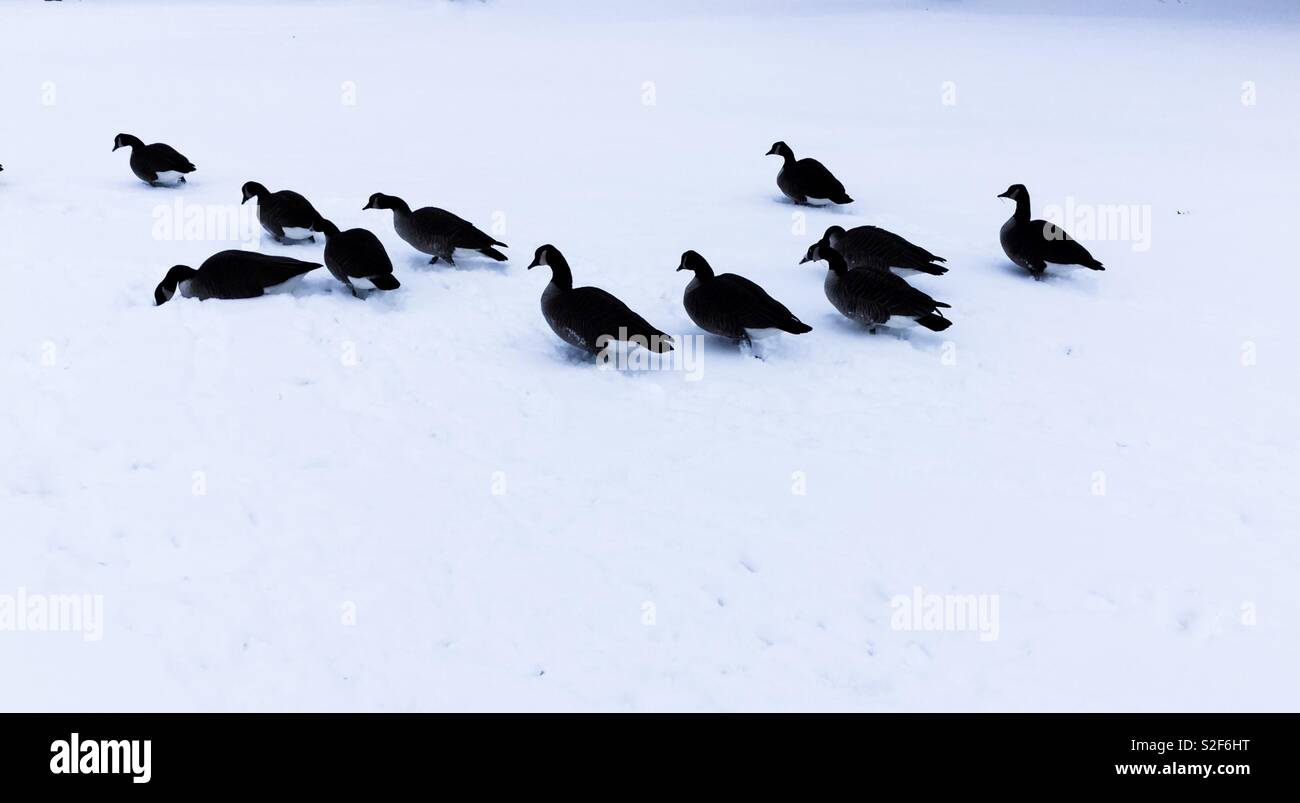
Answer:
(231, 274)
(435, 231)
(1033, 244)
(357, 258)
(876, 297)
(807, 181)
(286, 215)
(589, 318)
(156, 165)
(733, 306)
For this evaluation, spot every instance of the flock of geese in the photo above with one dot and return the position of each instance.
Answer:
(864, 280)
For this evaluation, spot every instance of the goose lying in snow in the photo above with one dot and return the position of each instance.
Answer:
(231, 274)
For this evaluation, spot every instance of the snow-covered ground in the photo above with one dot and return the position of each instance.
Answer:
(424, 501)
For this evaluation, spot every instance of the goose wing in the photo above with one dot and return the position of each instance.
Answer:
(591, 313)
(264, 270)
(1059, 247)
(882, 292)
(359, 254)
(746, 304)
(460, 231)
(292, 209)
(163, 157)
(816, 181)
(872, 241)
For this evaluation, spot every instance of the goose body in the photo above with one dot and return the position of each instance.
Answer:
(436, 231)
(357, 258)
(1034, 244)
(589, 318)
(157, 164)
(876, 297)
(285, 215)
(870, 246)
(232, 274)
(807, 181)
(732, 306)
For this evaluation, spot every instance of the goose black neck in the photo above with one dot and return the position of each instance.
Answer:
(561, 276)
(1022, 206)
(131, 141)
(399, 206)
(326, 227)
(835, 260)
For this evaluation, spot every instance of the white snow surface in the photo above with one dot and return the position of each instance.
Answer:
(424, 501)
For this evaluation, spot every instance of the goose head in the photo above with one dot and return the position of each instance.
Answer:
(167, 287)
(551, 257)
(252, 189)
(381, 201)
(1015, 192)
(126, 141)
(780, 149)
(822, 251)
(832, 232)
(545, 255)
(697, 264)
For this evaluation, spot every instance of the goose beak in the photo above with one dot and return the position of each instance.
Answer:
(368, 205)
(806, 258)
(533, 264)
(115, 147)
(1006, 194)
(246, 197)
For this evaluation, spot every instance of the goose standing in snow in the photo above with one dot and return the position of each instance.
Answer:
(869, 246)
(232, 274)
(733, 306)
(157, 165)
(435, 231)
(807, 181)
(876, 297)
(589, 318)
(286, 215)
(357, 258)
(1032, 244)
